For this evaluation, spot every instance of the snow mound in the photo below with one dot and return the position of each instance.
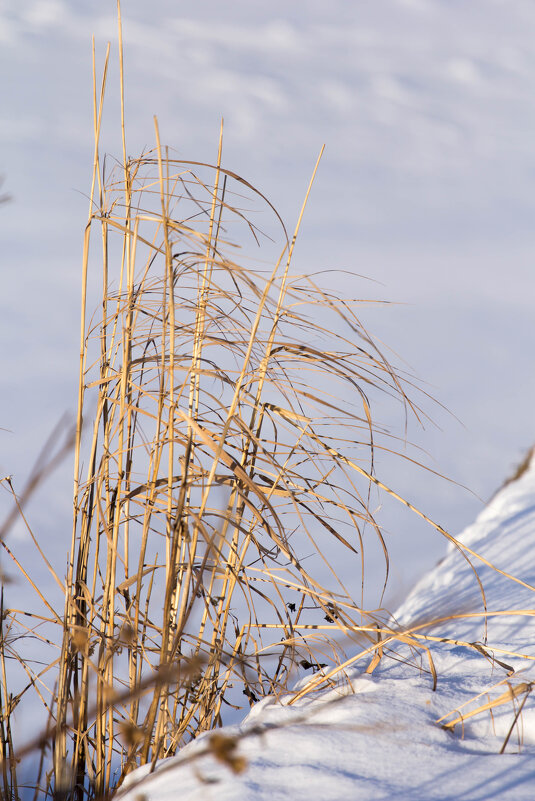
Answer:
(390, 735)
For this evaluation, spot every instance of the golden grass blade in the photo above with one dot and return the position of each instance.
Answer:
(512, 692)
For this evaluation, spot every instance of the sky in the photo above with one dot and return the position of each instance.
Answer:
(427, 112)
(393, 733)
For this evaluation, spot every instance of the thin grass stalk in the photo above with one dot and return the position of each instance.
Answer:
(60, 747)
(172, 530)
(6, 743)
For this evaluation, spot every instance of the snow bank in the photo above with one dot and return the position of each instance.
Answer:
(382, 736)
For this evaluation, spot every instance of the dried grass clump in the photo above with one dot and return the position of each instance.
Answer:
(209, 465)
(224, 433)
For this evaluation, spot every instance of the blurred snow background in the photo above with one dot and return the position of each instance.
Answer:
(427, 110)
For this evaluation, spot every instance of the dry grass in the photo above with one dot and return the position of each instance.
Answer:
(205, 467)
(518, 471)
(224, 432)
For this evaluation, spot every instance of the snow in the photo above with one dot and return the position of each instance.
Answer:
(381, 735)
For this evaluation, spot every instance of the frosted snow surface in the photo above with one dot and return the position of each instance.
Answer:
(377, 737)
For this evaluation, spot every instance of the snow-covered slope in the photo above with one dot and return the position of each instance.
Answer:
(383, 736)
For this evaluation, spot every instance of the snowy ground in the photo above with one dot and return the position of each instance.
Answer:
(383, 736)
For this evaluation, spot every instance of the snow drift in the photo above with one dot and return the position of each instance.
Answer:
(389, 734)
